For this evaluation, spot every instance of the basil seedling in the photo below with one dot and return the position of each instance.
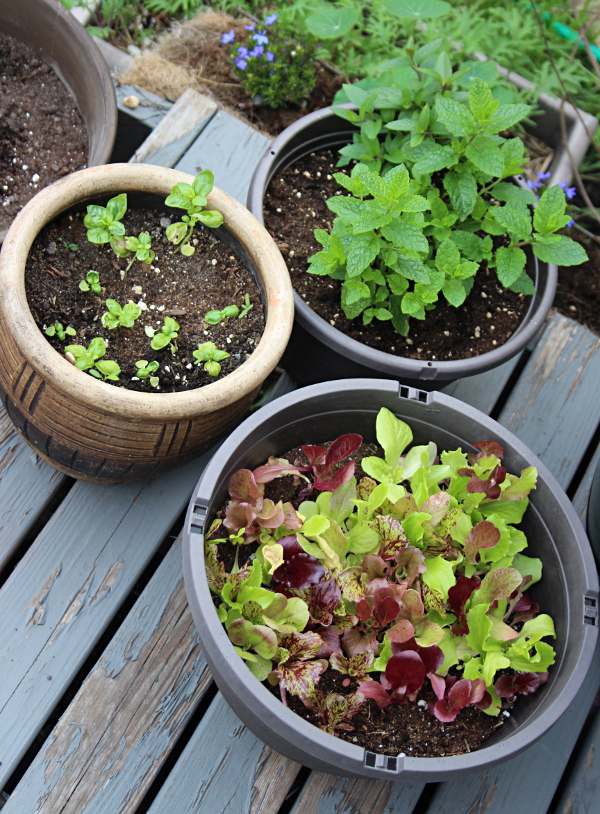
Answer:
(210, 355)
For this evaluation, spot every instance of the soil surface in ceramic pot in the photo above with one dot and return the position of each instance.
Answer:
(42, 136)
(183, 288)
(295, 205)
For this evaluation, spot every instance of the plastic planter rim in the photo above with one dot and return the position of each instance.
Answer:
(116, 178)
(307, 743)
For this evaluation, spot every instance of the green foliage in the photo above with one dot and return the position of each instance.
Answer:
(209, 355)
(120, 317)
(428, 182)
(145, 370)
(103, 223)
(193, 198)
(91, 282)
(214, 317)
(247, 306)
(166, 336)
(71, 246)
(60, 332)
(90, 359)
(274, 63)
(141, 247)
(174, 8)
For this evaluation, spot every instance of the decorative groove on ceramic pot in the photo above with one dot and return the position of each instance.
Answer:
(93, 430)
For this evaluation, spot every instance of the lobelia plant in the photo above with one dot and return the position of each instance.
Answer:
(274, 64)
(412, 575)
(428, 200)
(193, 198)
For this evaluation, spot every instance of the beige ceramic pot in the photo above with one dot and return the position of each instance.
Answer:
(96, 431)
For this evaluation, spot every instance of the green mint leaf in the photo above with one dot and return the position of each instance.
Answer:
(447, 258)
(346, 208)
(513, 151)
(455, 117)
(360, 253)
(462, 189)
(411, 269)
(470, 245)
(524, 285)
(398, 180)
(513, 194)
(515, 221)
(412, 203)
(412, 305)
(510, 264)
(486, 156)
(348, 115)
(403, 125)
(482, 104)
(438, 158)
(356, 296)
(405, 236)
(371, 219)
(454, 291)
(505, 117)
(564, 253)
(549, 215)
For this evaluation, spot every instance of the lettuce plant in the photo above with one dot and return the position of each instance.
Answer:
(430, 200)
(414, 575)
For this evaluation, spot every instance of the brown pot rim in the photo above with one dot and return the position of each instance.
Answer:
(115, 178)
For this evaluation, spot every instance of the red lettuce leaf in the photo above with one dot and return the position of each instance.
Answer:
(299, 571)
(406, 670)
(483, 535)
(457, 598)
(507, 686)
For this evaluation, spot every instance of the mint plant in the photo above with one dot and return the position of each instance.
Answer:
(274, 63)
(214, 317)
(59, 331)
(91, 282)
(413, 575)
(193, 198)
(165, 336)
(429, 202)
(119, 316)
(209, 355)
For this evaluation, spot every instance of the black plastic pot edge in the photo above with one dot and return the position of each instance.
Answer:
(319, 352)
(63, 43)
(348, 404)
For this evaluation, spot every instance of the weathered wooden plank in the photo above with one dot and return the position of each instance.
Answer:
(151, 109)
(65, 591)
(325, 794)
(527, 782)
(582, 791)
(482, 391)
(176, 131)
(225, 769)
(112, 740)
(231, 149)
(27, 484)
(554, 407)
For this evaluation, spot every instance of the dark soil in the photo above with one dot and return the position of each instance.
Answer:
(578, 290)
(173, 285)
(295, 205)
(407, 729)
(42, 135)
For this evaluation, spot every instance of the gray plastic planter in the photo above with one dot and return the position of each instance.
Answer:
(319, 352)
(568, 590)
(64, 44)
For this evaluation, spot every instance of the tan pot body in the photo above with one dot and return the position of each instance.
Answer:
(96, 431)
(50, 30)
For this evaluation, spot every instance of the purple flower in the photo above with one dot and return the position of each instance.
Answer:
(570, 192)
(243, 52)
(229, 37)
(241, 63)
(272, 18)
(270, 57)
(543, 176)
(256, 52)
(571, 222)
(534, 184)
(260, 38)
(250, 27)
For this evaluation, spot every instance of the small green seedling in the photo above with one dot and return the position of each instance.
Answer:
(91, 282)
(214, 317)
(192, 197)
(118, 316)
(145, 370)
(104, 223)
(72, 246)
(58, 330)
(141, 246)
(210, 355)
(165, 336)
(246, 307)
(107, 370)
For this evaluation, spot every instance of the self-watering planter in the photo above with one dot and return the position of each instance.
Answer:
(93, 430)
(568, 589)
(49, 29)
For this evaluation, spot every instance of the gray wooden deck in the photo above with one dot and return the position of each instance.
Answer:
(106, 703)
